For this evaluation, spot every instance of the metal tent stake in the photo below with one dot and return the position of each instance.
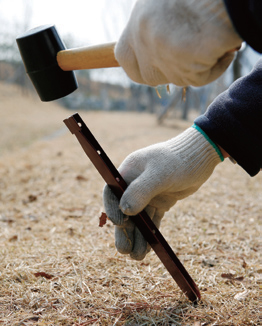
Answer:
(118, 185)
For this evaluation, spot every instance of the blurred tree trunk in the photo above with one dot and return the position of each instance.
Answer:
(150, 91)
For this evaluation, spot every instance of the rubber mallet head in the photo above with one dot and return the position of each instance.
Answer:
(39, 48)
(50, 66)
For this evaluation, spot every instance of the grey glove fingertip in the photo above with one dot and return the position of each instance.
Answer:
(124, 238)
(140, 246)
(111, 204)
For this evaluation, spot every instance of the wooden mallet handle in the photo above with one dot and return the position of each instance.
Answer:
(93, 57)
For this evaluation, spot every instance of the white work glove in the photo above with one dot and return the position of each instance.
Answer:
(184, 42)
(158, 176)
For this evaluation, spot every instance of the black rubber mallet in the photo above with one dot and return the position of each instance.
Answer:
(50, 65)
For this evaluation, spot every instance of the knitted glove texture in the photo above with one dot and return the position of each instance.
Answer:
(157, 177)
(184, 42)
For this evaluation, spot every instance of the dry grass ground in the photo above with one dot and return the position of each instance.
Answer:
(58, 267)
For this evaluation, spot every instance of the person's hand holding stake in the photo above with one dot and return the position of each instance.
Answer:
(159, 176)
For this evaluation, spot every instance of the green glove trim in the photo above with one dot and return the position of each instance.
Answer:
(210, 141)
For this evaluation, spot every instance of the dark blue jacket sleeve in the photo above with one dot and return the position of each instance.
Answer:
(246, 16)
(234, 120)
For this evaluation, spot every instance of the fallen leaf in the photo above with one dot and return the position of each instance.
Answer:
(102, 219)
(239, 278)
(4, 219)
(227, 275)
(244, 264)
(13, 238)
(30, 199)
(81, 178)
(43, 274)
(70, 231)
(231, 277)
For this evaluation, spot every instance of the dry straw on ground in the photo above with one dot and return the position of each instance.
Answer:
(58, 267)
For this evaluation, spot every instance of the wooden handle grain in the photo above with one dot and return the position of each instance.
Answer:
(93, 57)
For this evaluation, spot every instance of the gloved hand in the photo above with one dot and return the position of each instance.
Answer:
(184, 42)
(158, 176)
